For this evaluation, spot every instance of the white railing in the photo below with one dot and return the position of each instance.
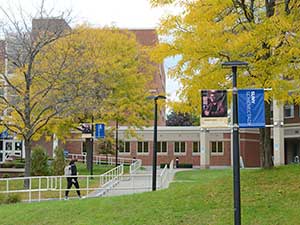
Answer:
(135, 183)
(113, 182)
(101, 159)
(54, 184)
(166, 175)
(135, 166)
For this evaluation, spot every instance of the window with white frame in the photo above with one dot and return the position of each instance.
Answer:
(289, 111)
(143, 147)
(124, 146)
(179, 147)
(196, 147)
(216, 147)
(162, 147)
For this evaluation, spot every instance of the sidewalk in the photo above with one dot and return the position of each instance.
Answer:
(139, 182)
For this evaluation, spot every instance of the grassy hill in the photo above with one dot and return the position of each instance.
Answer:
(195, 197)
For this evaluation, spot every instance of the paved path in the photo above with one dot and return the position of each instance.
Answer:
(141, 181)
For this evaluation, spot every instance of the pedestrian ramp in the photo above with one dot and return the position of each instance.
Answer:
(141, 181)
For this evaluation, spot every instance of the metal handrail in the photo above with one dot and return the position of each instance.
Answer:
(135, 166)
(101, 158)
(54, 183)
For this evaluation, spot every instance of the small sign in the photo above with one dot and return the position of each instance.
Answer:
(251, 108)
(66, 153)
(100, 130)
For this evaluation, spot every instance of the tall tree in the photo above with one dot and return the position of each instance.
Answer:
(115, 71)
(264, 33)
(181, 119)
(30, 100)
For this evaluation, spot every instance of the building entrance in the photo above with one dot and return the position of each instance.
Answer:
(11, 148)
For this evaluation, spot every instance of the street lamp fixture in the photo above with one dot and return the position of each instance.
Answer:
(236, 151)
(154, 161)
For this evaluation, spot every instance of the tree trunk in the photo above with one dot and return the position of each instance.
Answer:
(27, 162)
(89, 155)
(261, 145)
(270, 7)
(265, 141)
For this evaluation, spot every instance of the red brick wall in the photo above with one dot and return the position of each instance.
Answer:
(48, 145)
(249, 149)
(224, 159)
(188, 157)
(73, 147)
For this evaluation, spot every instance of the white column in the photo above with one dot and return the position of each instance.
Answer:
(55, 144)
(278, 133)
(204, 149)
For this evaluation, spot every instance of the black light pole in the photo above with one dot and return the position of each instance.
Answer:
(117, 141)
(154, 161)
(92, 150)
(236, 144)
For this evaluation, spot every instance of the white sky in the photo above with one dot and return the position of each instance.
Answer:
(121, 13)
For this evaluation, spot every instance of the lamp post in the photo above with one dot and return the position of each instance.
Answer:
(92, 147)
(154, 161)
(236, 151)
(117, 141)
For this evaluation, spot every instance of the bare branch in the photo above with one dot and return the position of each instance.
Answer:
(18, 110)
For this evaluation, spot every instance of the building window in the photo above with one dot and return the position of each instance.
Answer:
(143, 147)
(18, 146)
(162, 147)
(196, 147)
(217, 147)
(179, 147)
(124, 146)
(289, 111)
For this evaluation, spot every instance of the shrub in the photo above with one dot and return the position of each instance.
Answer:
(39, 162)
(162, 165)
(13, 198)
(59, 162)
(12, 165)
(2, 198)
(6, 175)
(9, 199)
(185, 165)
(19, 165)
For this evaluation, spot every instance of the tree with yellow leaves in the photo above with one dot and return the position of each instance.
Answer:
(115, 72)
(208, 32)
(53, 74)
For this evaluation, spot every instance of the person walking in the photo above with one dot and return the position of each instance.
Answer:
(177, 162)
(72, 170)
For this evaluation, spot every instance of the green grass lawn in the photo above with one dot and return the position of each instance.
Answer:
(97, 169)
(196, 197)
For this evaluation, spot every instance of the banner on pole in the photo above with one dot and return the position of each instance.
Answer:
(251, 108)
(214, 108)
(100, 130)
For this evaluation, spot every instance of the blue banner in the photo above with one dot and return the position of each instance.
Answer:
(251, 108)
(100, 131)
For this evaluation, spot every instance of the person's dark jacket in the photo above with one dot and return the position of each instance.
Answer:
(73, 170)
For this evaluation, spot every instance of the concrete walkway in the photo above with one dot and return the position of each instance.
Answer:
(139, 182)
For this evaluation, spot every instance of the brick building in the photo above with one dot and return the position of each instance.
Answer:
(187, 143)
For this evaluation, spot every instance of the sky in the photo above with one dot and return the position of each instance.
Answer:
(98, 13)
